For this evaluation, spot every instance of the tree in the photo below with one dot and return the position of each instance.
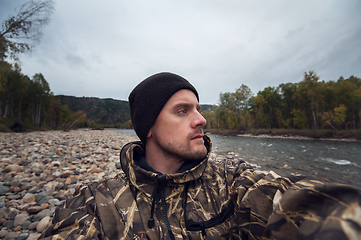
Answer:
(20, 32)
(346, 92)
(287, 92)
(272, 102)
(310, 81)
(299, 119)
(242, 97)
(209, 115)
(5, 70)
(224, 109)
(258, 111)
(340, 114)
(40, 92)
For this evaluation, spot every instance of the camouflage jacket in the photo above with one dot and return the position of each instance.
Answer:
(207, 201)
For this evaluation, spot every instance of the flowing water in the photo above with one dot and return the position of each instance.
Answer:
(331, 161)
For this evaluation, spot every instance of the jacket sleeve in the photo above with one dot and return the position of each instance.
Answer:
(315, 210)
(77, 217)
(273, 207)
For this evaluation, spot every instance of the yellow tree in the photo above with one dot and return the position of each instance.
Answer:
(340, 114)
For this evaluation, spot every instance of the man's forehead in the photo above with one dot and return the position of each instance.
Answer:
(183, 96)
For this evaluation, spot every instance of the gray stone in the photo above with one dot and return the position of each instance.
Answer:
(33, 225)
(3, 190)
(14, 196)
(91, 178)
(7, 182)
(13, 212)
(23, 162)
(36, 171)
(53, 202)
(3, 233)
(33, 236)
(40, 196)
(12, 235)
(4, 212)
(33, 189)
(15, 183)
(45, 200)
(26, 225)
(9, 224)
(23, 236)
(20, 219)
(44, 213)
(26, 186)
(59, 186)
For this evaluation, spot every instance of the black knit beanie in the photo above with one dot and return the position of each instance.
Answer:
(148, 98)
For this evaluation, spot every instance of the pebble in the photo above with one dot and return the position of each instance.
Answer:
(20, 219)
(40, 170)
(43, 224)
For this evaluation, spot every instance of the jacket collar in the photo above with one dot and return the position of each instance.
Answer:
(132, 153)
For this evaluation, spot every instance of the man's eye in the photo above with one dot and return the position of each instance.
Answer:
(183, 111)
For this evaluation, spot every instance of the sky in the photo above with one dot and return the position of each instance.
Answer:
(105, 48)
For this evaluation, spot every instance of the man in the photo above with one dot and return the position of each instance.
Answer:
(169, 190)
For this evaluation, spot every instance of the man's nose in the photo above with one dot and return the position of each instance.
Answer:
(199, 121)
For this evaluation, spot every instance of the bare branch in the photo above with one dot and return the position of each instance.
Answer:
(20, 32)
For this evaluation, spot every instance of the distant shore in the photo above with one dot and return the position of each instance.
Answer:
(319, 135)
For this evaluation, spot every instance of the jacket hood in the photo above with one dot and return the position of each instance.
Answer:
(139, 176)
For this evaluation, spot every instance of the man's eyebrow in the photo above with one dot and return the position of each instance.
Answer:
(186, 105)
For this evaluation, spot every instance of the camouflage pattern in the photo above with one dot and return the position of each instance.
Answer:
(209, 201)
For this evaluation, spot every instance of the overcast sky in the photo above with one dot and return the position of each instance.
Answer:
(105, 48)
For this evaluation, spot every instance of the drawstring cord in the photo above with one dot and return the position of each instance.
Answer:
(159, 192)
(204, 234)
(154, 196)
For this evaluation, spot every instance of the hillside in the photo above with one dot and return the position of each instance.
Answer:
(103, 111)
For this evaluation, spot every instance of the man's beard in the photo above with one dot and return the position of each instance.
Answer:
(181, 154)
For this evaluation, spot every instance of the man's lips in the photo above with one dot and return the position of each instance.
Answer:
(198, 136)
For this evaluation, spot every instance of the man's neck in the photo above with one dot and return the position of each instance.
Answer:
(162, 162)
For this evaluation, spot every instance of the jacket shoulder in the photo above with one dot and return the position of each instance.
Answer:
(228, 169)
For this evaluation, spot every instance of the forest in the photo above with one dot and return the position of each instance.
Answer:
(309, 104)
(28, 103)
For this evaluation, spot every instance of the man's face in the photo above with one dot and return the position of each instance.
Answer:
(177, 131)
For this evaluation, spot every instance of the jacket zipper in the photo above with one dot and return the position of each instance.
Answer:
(165, 215)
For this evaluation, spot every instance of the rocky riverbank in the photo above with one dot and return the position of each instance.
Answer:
(39, 170)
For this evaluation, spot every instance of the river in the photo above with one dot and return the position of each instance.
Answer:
(331, 161)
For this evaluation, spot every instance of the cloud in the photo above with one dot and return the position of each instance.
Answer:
(105, 49)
